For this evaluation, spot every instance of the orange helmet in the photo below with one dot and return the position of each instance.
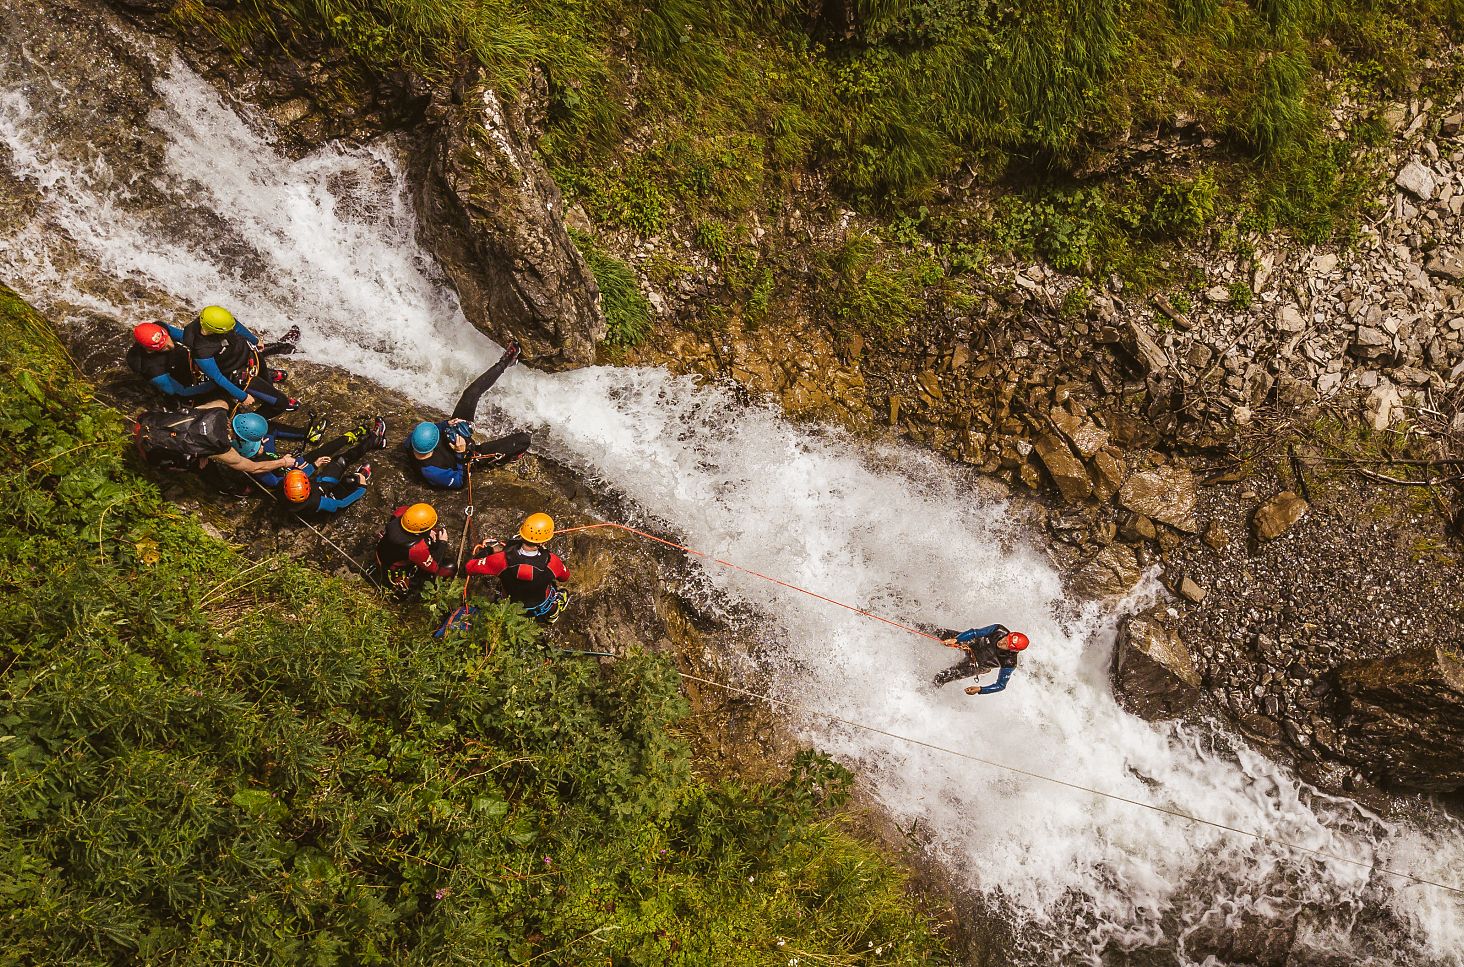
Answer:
(296, 486)
(537, 528)
(1016, 641)
(418, 518)
(150, 335)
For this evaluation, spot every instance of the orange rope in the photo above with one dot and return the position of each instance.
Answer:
(757, 574)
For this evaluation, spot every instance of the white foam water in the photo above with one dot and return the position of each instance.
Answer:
(328, 241)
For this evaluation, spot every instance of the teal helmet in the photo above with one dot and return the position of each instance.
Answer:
(250, 429)
(425, 437)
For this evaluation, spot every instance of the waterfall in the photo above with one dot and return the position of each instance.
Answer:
(328, 241)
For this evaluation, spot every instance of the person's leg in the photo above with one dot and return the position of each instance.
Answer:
(467, 405)
(506, 449)
(329, 448)
(964, 669)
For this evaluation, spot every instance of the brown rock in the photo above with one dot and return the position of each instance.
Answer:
(1154, 674)
(1405, 717)
(1113, 571)
(1086, 436)
(1109, 470)
(1066, 470)
(1137, 527)
(1190, 591)
(1146, 351)
(1274, 517)
(1165, 494)
(931, 384)
(1216, 537)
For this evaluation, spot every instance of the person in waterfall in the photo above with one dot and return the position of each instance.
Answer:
(229, 357)
(985, 648)
(444, 452)
(412, 548)
(526, 569)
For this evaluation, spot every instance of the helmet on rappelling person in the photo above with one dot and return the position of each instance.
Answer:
(216, 320)
(1016, 641)
(296, 486)
(418, 518)
(150, 335)
(250, 429)
(425, 437)
(537, 528)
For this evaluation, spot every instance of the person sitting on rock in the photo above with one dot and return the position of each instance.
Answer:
(254, 438)
(444, 452)
(411, 550)
(159, 356)
(986, 648)
(323, 486)
(229, 356)
(526, 569)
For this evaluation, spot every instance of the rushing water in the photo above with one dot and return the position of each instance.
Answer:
(328, 241)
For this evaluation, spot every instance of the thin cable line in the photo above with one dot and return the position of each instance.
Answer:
(1071, 785)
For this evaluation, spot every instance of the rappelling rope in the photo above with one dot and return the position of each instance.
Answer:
(1323, 854)
(758, 574)
(966, 755)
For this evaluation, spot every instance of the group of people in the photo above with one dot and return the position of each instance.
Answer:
(213, 371)
(220, 417)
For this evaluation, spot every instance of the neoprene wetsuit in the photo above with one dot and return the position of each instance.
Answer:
(982, 655)
(527, 576)
(170, 370)
(226, 359)
(444, 466)
(406, 560)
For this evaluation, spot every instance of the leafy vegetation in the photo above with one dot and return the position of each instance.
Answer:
(627, 311)
(208, 760)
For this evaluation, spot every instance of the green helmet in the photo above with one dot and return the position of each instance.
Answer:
(216, 319)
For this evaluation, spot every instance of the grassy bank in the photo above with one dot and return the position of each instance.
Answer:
(212, 760)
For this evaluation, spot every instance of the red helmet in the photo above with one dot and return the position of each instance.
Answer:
(1016, 641)
(296, 486)
(150, 335)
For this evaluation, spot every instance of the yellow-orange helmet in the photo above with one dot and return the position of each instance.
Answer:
(296, 486)
(537, 528)
(418, 518)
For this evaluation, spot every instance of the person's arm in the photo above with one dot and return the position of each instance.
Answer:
(330, 505)
(169, 385)
(450, 477)
(234, 460)
(999, 684)
(422, 556)
(557, 568)
(974, 633)
(244, 331)
(492, 565)
(174, 331)
(210, 368)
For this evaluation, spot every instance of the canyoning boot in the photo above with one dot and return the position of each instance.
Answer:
(356, 434)
(363, 474)
(291, 337)
(291, 405)
(512, 352)
(278, 376)
(377, 432)
(315, 430)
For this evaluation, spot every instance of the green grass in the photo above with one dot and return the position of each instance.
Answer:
(208, 760)
(627, 310)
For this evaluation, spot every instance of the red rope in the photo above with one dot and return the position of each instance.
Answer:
(757, 574)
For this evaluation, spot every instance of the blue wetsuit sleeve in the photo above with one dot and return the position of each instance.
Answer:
(169, 385)
(332, 504)
(244, 331)
(451, 477)
(210, 368)
(974, 633)
(174, 331)
(270, 478)
(1000, 683)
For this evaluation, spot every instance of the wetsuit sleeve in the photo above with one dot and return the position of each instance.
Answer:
(451, 477)
(270, 478)
(210, 368)
(421, 555)
(243, 330)
(174, 331)
(557, 568)
(492, 565)
(999, 684)
(975, 633)
(169, 385)
(332, 504)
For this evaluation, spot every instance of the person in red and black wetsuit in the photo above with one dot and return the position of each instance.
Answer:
(526, 568)
(410, 550)
(985, 648)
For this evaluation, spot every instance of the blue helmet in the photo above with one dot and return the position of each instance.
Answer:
(251, 429)
(425, 437)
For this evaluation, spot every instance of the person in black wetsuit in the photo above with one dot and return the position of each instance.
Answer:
(229, 356)
(412, 549)
(323, 486)
(526, 569)
(443, 452)
(986, 648)
(158, 355)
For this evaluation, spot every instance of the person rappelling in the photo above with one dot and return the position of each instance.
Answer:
(526, 569)
(229, 356)
(985, 648)
(444, 452)
(412, 549)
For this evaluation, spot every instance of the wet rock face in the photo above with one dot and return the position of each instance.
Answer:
(495, 220)
(1404, 719)
(1154, 674)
